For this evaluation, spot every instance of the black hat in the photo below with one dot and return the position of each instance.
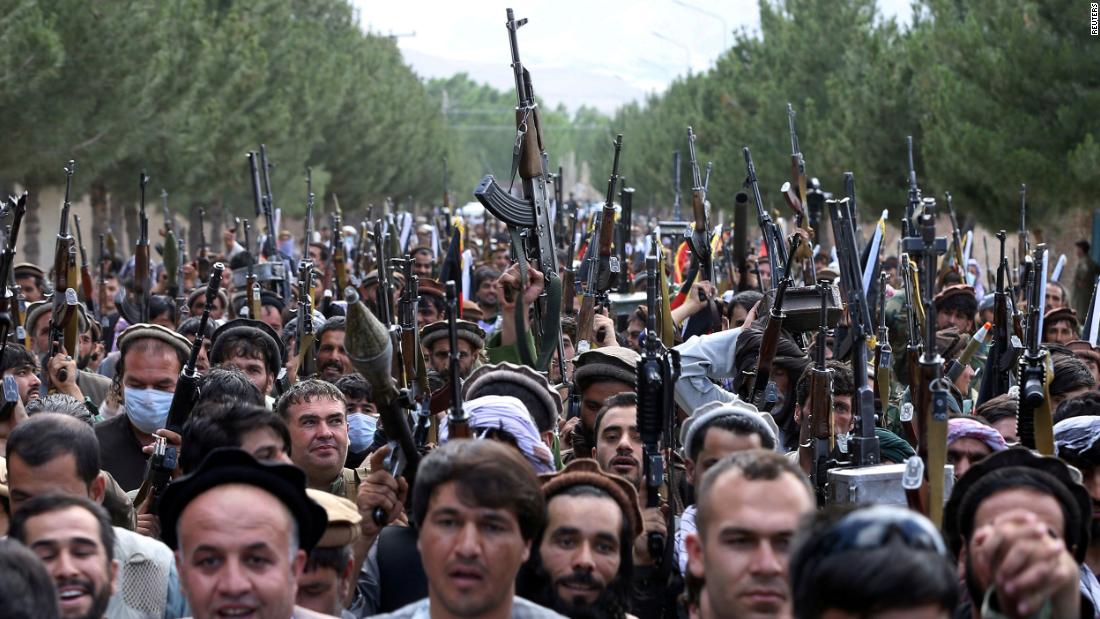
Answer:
(235, 466)
(255, 329)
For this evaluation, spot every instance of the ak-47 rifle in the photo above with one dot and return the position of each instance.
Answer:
(269, 249)
(560, 216)
(339, 255)
(913, 199)
(658, 371)
(798, 165)
(676, 215)
(415, 378)
(261, 205)
(773, 237)
(1002, 354)
(699, 241)
(384, 296)
(181, 288)
(769, 341)
(622, 239)
(956, 236)
(603, 266)
(9, 395)
(458, 422)
(912, 347)
(531, 213)
(308, 236)
(817, 433)
(931, 391)
(1034, 422)
(569, 274)
(62, 310)
(863, 445)
(251, 286)
(187, 388)
(85, 268)
(306, 335)
(142, 280)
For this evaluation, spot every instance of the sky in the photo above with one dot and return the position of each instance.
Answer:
(601, 53)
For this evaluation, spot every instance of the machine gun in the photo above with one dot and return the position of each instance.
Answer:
(817, 433)
(769, 341)
(658, 371)
(930, 391)
(1034, 422)
(603, 266)
(187, 389)
(528, 219)
(773, 237)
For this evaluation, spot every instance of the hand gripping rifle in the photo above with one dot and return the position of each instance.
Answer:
(658, 371)
(930, 393)
(817, 434)
(603, 265)
(1035, 425)
(769, 341)
(528, 218)
(773, 237)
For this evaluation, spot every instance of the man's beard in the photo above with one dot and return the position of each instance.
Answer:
(101, 597)
(612, 603)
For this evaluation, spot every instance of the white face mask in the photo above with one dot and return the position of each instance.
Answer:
(147, 408)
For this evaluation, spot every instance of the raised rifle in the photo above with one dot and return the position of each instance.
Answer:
(85, 268)
(339, 255)
(699, 241)
(253, 298)
(1034, 422)
(956, 236)
(269, 248)
(447, 211)
(142, 279)
(740, 239)
(817, 433)
(9, 395)
(59, 317)
(913, 199)
(187, 387)
(773, 237)
(306, 335)
(202, 256)
(569, 274)
(622, 241)
(458, 422)
(384, 296)
(1002, 354)
(930, 393)
(308, 238)
(798, 165)
(101, 287)
(863, 445)
(530, 213)
(769, 341)
(1023, 247)
(603, 266)
(658, 371)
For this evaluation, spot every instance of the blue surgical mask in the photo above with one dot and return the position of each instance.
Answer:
(361, 431)
(147, 408)
(971, 278)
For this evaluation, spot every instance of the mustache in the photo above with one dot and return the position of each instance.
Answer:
(584, 579)
(83, 583)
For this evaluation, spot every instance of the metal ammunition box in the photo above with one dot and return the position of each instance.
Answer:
(880, 485)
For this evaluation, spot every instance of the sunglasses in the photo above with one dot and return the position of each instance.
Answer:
(876, 526)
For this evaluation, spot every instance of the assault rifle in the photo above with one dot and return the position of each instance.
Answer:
(913, 200)
(269, 250)
(773, 237)
(1023, 248)
(62, 311)
(817, 434)
(142, 280)
(17, 208)
(531, 213)
(884, 354)
(658, 371)
(1034, 422)
(769, 341)
(458, 422)
(603, 266)
(622, 240)
(251, 286)
(306, 335)
(676, 214)
(101, 287)
(85, 268)
(187, 386)
(1002, 354)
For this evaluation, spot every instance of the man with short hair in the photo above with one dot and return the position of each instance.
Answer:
(598, 374)
(435, 339)
(473, 535)
(749, 507)
(249, 427)
(433, 303)
(1000, 412)
(423, 262)
(21, 365)
(486, 296)
(315, 412)
(250, 346)
(1071, 379)
(241, 531)
(74, 539)
(1056, 297)
(51, 453)
(332, 357)
(713, 432)
(150, 363)
(581, 563)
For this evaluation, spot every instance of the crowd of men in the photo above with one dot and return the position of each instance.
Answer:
(287, 499)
